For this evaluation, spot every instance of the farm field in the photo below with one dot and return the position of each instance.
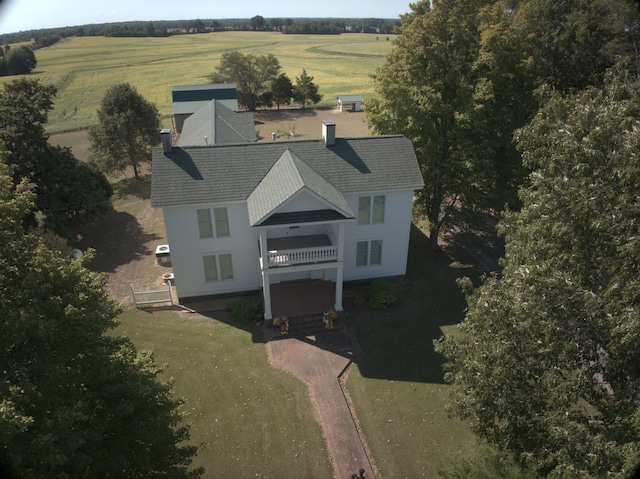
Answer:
(82, 68)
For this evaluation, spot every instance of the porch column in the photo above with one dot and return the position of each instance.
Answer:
(266, 292)
(340, 242)
(338, 305)
(266, 283)
(264, 252)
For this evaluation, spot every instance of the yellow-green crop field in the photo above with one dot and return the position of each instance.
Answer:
(82, 68)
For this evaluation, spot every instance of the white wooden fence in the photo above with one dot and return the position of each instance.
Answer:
(152, 296)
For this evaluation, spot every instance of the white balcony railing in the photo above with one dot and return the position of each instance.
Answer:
(290, 257)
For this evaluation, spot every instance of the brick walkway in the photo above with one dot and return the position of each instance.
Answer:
(319, 361)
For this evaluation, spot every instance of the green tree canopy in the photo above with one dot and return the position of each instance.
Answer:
(456, 83)
(18, 61)
(128, 127)
(71, 192)
(546, 363)
(252, 74)
(305, 90)
(68, 192)
(76, 402)
(572, 43)
(282, 89)
(257, 22)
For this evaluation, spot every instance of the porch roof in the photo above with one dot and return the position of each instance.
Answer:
(287, 178)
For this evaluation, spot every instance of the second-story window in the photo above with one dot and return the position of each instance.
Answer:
(371, 209)
(222, 221)
(204, 223)
(217, 228)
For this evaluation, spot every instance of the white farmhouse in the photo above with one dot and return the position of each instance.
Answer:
(247, 216)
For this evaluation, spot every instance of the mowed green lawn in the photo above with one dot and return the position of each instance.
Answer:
(249, 419)
(252, 420)
(83, 68)
(397, 384)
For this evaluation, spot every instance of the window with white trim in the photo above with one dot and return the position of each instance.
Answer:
(217, 267)
(217, 228)
(371, 209)
(369, 253)
(222, 222)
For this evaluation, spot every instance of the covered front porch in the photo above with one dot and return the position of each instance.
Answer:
(302, 298)
(302, 253)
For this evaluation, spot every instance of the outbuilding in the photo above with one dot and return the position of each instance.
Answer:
(352, 102)
(187, 99)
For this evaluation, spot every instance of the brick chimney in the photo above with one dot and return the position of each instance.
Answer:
(329, 132)
(165, 134)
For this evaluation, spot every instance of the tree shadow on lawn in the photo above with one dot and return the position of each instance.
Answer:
(130, 186)
(397, 343)
(117, 239)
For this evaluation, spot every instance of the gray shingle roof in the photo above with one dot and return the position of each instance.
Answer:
(224, 173)
(187, 99)
(350, 98)
(219, 125)
(288, 176)
(207, 91)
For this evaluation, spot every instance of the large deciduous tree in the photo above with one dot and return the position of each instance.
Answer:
(546, 364)
(75, 401)
(128, 127)
(18, 61)
(457, 84)
(252, 74)
(68, 191)
(572, 43)
(257, 22)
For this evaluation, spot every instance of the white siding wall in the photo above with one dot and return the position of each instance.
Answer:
(394, 233)
(187, 250)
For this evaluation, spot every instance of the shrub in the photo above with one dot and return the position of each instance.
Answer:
(246, 310)
(382, 294)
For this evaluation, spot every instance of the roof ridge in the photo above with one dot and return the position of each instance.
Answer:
(293, 142)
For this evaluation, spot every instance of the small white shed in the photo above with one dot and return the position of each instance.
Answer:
(354, 102)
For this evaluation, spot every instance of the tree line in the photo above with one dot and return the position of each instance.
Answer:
(528, 111)
(45, 37)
